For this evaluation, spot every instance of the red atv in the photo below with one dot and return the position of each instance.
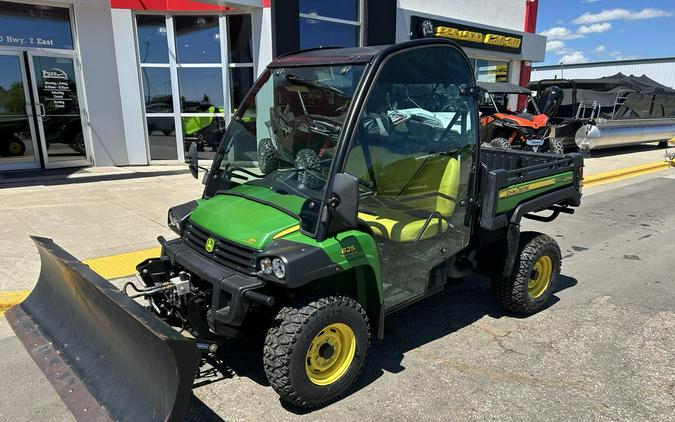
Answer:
(502, 128)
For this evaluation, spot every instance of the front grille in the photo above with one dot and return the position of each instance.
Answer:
(225, 252)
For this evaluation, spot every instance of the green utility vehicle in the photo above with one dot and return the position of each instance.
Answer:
(316, 251)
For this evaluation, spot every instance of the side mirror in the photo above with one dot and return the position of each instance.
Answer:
(192, 159)
(344, 204)
(338, 214)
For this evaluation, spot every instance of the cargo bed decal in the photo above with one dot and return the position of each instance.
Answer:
(510, 197)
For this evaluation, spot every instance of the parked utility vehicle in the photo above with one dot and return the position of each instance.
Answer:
(406, 199)
(528, 130)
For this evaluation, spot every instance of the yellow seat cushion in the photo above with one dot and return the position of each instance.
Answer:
(423, 186)
(404, 230)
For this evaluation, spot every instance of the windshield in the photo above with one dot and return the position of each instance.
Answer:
(287, 132)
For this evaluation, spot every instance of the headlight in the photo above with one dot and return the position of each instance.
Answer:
(178, 214)
(174, 221)
(279, 268)
(266, 266)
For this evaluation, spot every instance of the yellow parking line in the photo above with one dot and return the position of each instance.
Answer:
(9, 299)
(121, 265)
(626, 173)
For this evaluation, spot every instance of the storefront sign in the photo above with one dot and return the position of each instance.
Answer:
(20, 41)
(34, 26)
(467, 36)
(56, 83)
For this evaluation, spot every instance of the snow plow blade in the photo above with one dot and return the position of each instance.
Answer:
(108, 357)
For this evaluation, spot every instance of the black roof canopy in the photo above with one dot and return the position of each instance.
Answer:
(502, 88)
(327, 56)
(354, 55)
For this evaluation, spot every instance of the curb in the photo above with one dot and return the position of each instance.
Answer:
(626, 173)
(9, 299)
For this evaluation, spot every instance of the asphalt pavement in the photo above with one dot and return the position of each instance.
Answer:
(601, 350)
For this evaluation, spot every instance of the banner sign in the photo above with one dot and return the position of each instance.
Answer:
(465, 35)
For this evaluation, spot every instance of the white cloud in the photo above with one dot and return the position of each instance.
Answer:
(596, 28)
(554, 46)
(589, 1)
(620, 14)
(617, 55)
(600, 49)
(560, 33)
(574, 57)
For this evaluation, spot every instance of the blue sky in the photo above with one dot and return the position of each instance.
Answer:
(598, 30)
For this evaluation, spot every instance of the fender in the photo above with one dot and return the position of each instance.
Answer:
(308, 261)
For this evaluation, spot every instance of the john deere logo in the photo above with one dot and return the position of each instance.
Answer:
(210, 244)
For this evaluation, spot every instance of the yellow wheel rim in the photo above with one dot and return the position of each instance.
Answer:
(14, 147)
(330, 354)
(540, 277)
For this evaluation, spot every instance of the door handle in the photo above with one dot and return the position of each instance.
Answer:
(41, 109)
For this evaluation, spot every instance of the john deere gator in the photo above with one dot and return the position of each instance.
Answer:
(317, 250)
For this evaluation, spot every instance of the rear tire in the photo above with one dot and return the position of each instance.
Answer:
(315, 349)
(502, 143)
(555, 146)
(268, 157)
(535, 274)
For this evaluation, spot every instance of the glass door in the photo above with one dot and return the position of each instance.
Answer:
(18, 143)
(59, 115)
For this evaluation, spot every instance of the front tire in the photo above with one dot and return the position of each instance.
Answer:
(315, 349)
(535, 274)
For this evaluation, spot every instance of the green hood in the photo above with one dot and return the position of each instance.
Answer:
(245, 221)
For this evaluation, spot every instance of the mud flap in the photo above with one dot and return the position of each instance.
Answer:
(108, 357)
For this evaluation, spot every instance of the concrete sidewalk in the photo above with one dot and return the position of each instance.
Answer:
(605, 160)
(101, 211)
(89, 213)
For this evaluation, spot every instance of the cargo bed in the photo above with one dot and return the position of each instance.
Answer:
(516, 183)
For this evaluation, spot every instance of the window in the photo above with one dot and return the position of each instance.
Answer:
(157, 89)
(241, 58)
(153, 54)
(184, 66)
(201, 89)
(152, 46)
(412, 115)
(329, 23)
(197, 39)
(26, 25)
(492, 71)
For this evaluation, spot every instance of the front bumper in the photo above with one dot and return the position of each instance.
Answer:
(229, 305)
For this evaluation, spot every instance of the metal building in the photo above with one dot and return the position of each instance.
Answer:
(661, 70)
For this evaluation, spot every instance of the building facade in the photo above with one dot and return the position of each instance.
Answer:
(662, 70)
(133, 82)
